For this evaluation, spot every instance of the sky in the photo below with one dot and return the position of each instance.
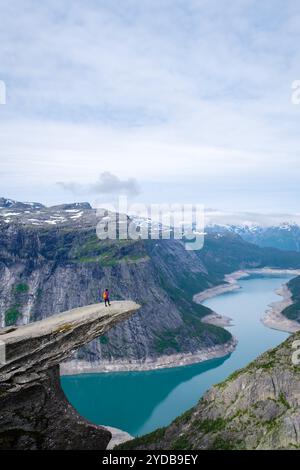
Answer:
(170, 101)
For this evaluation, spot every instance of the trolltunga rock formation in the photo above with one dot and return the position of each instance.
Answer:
(34, 412)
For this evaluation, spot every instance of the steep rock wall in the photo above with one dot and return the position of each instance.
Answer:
(34, 411)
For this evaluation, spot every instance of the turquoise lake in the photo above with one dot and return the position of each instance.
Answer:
(139, 402)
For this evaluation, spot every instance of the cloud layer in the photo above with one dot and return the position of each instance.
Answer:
(185, 96)
(107, 183)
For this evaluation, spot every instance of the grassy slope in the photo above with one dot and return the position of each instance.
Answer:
(256, 407)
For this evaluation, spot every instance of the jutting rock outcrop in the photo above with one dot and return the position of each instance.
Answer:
(34, 412)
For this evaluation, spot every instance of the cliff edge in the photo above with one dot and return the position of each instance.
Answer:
(35, 413)
(257, 407)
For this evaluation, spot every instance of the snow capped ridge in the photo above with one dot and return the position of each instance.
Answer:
(283, 235)
(253, 227)
(288, 225)
(34, 213)
(12, 204)
(251, 219)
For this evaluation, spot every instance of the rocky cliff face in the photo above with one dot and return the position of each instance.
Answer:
(34, 411)
(257, 407)
(51, 261)
(45, 271)
(292, 312)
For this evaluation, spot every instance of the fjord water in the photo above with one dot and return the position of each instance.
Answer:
(139, 402)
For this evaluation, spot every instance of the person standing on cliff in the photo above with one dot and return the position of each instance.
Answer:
(106, 297)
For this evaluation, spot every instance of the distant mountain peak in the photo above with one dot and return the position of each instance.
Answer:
(73, 205)
(12, 204)
(36, 214)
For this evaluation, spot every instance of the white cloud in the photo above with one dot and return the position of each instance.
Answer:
(107, 183)
(161, 91)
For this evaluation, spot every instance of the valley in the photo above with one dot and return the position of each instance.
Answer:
(51, 261)
(152, 399)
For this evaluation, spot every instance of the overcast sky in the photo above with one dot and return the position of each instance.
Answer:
(181, 100)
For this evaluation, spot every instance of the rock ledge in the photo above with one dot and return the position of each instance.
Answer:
(35, 413)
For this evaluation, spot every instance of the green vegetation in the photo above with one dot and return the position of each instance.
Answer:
(238, 414)
(11, 316)
(182, 443)
(192, 314)
(103, 260)
(13, 313)
(292, 312)
(152, 438)
(209, 425)
(182, 298)
(167, 340)
(284, 401)
(222, 444)
(219, 335)
(267, 365)
(21, 288)
(39, 293)
(91, 246)
(108, 252)
(231, 377)
(103, 339)
(271, 424)
(106, 259)
(184, 418)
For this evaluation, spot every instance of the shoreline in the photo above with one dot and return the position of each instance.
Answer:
(272, 319)
(163, 362)
(117, 436)
(229, 285)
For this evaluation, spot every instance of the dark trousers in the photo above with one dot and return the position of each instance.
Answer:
(107, 302)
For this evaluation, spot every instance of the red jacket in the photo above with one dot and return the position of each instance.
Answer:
(105, 295)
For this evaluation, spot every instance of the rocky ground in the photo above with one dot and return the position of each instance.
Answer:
(257, 407)
(274, 316)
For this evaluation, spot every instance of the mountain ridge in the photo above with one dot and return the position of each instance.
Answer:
(257, 407)
(46, 268)
(283, 236)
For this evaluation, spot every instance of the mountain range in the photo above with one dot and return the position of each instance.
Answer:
(51, 260)
(284, 236)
